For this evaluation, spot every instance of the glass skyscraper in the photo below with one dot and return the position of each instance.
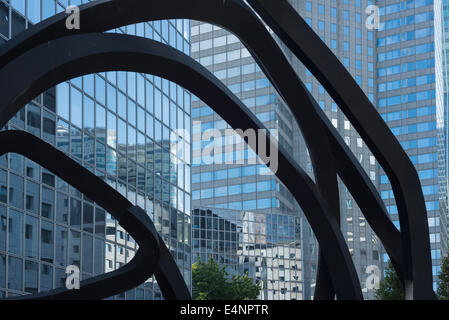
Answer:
(442, 78)
(116, 124)
(341, 25)
(263, 245)
(395, 64)
(233, 184)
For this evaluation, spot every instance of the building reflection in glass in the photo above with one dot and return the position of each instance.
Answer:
(264, 245)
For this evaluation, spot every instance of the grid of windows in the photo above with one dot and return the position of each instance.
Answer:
(442, 38)
(235, 181)
(408, 106)
(265, 245)
(121, 127)
(226, 57)
(346, 34)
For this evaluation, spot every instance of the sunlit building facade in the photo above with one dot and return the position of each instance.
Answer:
(116, 124)
(442, 95)
(409, 93)
(341, 25)
(232, 180)
(398, 65)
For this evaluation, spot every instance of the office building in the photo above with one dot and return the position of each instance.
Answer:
(409, 93)
(117, 125)
(232, 180)
(341, 25)
(263, 245)
(396, 64)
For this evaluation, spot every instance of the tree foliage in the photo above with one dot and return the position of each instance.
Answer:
(443, 280)
(243, 288)
(212, 282)
(390, 287)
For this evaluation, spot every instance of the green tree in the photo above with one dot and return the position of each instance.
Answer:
(390, 288)
(443, 280)
(212, 282)
(243, 288)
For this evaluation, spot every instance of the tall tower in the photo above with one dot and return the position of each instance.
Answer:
(399, 66)
(409, 97)
(341, 24)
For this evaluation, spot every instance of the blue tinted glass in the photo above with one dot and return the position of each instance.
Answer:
(112, 98)
(76, 107)
(100, 89)
(132, 112)
(234, 173)
(122, 105)
(249, 171)
(62, 95)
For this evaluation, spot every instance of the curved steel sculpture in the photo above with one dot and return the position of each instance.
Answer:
(61, 60)
(72, 56)
(323, 64)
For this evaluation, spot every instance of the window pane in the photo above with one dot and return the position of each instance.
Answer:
(48, 203)
(75, 213)
(74, 248)
(46, 277)
(76, 107)
(62, 210)
(31, 237)
(15, 232)
(16, 191)
(87, 254)
(15, 273)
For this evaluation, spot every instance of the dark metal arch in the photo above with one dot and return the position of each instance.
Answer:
(73, 56)
(107, 14)
(152, 253)
(323, 64)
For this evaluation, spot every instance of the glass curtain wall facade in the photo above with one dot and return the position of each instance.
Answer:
(233, 180)
(442, 62)
(408, 72)
(396, 65)
(266, 246)
(116, 124)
